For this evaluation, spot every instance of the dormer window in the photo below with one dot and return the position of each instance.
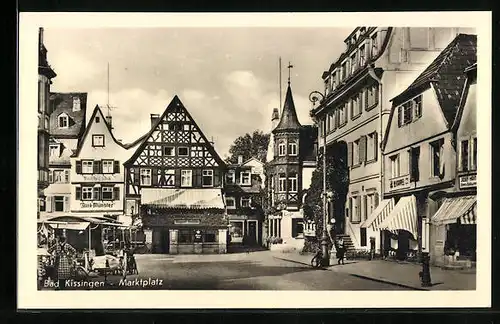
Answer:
(63, 121)
(245, 178)
(76, 104)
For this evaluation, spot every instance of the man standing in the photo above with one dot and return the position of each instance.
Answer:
(63, 253)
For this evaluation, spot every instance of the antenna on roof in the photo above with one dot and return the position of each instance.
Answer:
(107, 104)
(280, 80)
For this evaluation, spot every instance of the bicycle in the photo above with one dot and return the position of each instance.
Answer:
(317, 260)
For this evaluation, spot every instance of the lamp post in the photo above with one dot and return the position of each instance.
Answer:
(425, 274)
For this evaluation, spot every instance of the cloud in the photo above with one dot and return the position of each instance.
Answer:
(73, 69)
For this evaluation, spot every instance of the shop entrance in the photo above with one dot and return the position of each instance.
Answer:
(252, 233)
(165, 241)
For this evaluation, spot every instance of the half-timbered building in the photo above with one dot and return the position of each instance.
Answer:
(174, 180)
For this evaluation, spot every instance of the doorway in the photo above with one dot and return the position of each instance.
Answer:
(252, 232)
(165, 241)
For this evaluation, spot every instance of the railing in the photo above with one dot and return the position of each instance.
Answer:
(352, 234)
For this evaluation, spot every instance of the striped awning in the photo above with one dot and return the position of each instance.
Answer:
(403, 216)
(455, 208)
(182, 198)
(379, 214)
(75, 226)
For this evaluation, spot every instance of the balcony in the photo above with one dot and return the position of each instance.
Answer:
(400, 182)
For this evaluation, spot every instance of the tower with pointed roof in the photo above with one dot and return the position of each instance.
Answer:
(288, 172)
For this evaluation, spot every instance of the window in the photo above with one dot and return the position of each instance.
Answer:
(356, 209)
(355, 152)
(54, 150)
(419, 38)
(230, 203)
(395, 167)
(76, 104)
(186, 178)
(417, 106)
(107, 166)
(208, 178)
(183, 151)
(371, 97)
(292, 149)
(374, 41)
(186, 236)
(282, 148)
(407, 112)
(245, 178)
(334, 80)
(230, 177)
(342, 115)
(354, 62)
(170, 177)
(87, 167)
(292, 183)
(355, 106)
(58, 176)
(168, 151)
(371, 146)
(63, 121)
(474, 154)
(97, 120)
(86, 193)
(343, 71)
(362, 50)
(282, 183)
(436, 157)
(58, 203)
(209, 236)
(145, 177)
(464, 155)
(414, 164)
(107, 193)
(245, 202)
(371, 204)
(98, 140)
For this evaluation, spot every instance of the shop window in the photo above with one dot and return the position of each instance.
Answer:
(209, 236)
(186, 236)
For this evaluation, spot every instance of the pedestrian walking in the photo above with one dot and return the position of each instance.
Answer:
(341, 252)
(63, 253)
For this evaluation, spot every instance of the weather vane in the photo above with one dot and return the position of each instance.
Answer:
(290, 66)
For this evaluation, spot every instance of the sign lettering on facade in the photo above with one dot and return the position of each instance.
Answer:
(98, 177)
(97, 204)
(186, 221)
(400, 182)
(468, 181)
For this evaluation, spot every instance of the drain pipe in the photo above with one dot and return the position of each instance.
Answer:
(372, 73)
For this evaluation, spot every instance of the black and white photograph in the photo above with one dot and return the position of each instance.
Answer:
(255, 155)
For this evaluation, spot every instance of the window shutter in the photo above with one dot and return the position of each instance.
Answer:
(66, 176)
(97, 167)
(349, 154)
(362, 149)
(216, 178)
(66, 203)
(49, 203)
(400, 115)
(51, 176)
(375, 146)
(116, 193)
(154, 177)
(375, 94)
(365, 207)
(350, 208)
(78, 195)
(78, 167)
(358, 210)
(196, 178)
(137, 175)
(116, 166)
(177, 176)
(376, 202)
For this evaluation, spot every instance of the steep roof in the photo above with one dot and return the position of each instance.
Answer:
(288, 120)
(63, 103)
(471, 73)
(446, 74)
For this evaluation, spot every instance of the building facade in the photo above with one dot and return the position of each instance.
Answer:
(67, 125)
(45, 75)
(288, 173)
(175, 180)
(377, 64)
(419, 149)
(243, 187)
(453, 238)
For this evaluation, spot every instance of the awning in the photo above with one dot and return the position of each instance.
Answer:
(183, 198)
(379, 214)
(452, 209)
(76, 226)
(403, 216)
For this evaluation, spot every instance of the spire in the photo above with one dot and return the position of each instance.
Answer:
(289, 120)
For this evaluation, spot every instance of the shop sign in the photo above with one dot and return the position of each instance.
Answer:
(468, 181)
(400, 182)
(97, 205)
(98, 177)
(186, 221)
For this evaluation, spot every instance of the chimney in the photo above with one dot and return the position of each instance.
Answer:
(154, 119)
(109, 121)
(240, 159)
(40, 36)
(275, 118)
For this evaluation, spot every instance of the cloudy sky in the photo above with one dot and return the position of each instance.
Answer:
(228, 78)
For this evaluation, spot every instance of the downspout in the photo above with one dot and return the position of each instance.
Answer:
(372, 73)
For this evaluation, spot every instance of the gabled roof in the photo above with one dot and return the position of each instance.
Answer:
(471, 72)
(446, 74)
(63, 103)
(289, 119)
(97, 109)
(174, 103)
